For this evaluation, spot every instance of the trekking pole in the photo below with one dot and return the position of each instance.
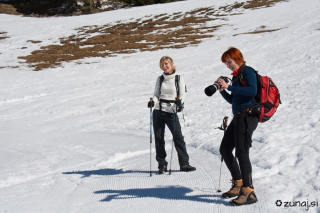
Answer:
(150, 133)
(174, 134)
(223, 127)
(219, 190)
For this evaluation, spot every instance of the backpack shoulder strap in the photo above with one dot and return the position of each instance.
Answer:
(240, 75)
(161, 80)
(177, 85)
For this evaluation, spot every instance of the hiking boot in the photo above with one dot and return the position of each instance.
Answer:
(162, 169)
(235, 189)
(187, 168)
(247, 196)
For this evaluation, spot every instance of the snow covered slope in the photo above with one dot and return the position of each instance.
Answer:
(75, 138)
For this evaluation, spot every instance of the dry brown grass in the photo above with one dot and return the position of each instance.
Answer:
(10, 67)
(34, 42)
(3, 36)
(8, 9)
(154, 33)
(150, 33)
(261, 29)
(255, 4)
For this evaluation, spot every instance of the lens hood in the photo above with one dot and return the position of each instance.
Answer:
(210, 90)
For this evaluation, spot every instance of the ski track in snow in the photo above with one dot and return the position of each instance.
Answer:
(96, 188)
(76, 138)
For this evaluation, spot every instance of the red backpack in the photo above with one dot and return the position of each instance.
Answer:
(267, 99)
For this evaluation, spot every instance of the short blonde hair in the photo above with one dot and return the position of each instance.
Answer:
(169, 59)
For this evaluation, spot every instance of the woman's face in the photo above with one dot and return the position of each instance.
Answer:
(232, 65)
(166, 67)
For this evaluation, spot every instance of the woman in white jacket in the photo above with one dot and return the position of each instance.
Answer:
(166, 102)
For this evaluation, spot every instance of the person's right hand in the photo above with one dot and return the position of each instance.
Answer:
(223, 84)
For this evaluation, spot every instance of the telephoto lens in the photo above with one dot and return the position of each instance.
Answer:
(210, 90)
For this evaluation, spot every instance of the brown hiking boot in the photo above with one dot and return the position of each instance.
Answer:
(187, 168)
(247, 196)
(235, 189)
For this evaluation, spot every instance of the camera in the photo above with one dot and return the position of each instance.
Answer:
(210, 90)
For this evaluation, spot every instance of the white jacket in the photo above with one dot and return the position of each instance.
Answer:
(168, 92)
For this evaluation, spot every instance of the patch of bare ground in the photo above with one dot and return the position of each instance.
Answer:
(34, 42)
(150, 33)
(255, 4)
(11, 67)
(3, 36)
(8, 9)
(258, 31)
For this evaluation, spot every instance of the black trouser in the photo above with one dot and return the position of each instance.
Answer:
(171, 119)
(238, 135)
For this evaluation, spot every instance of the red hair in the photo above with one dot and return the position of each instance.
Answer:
(234, 54)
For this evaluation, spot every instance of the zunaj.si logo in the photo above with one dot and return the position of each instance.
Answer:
(305, 204)
(279, 203)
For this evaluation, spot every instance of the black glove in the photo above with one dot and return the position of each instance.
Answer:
(178, 103)
(150, 104)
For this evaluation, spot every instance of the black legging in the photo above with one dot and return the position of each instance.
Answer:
(238, 135)
(160, 119)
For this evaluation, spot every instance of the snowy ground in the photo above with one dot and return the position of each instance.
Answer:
(76, 138)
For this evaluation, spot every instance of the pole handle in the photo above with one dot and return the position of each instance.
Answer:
(151, 100)
(225, 122)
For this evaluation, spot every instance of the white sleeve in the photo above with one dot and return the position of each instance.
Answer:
(156, 94)
(182, 89)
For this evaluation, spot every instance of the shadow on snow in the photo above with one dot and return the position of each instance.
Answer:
(168, 192)
(106, 172)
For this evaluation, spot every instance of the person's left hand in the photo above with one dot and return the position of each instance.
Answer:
(178, 102)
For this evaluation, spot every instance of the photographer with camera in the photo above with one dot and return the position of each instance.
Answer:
(239, 133)
(167, 101)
